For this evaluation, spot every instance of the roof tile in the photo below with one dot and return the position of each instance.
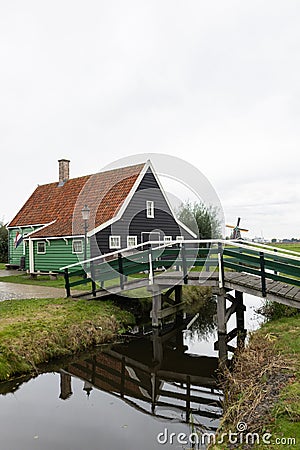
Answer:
(104, 193)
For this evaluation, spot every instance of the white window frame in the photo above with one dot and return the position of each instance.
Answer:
(167, 239)
(114, 246)
(179, 238)
(150, 209)
(135, 241)
(76, 241)
(37, 247)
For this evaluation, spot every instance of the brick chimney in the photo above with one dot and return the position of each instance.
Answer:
(64, 171)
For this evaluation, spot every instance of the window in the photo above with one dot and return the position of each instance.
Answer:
(150, 209)
(131, 241)
(167, 239)
(179, 238)
(41, 248)
(77, 246)
(114, 242)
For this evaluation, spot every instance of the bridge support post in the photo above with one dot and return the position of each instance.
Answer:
(240, 319)
(222, 327)
(156, 305)
(178, 298)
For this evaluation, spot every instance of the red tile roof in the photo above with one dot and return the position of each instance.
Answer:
(104, 193)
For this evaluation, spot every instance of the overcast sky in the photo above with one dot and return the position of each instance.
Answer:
(214, 82)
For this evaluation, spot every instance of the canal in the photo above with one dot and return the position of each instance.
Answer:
(138, 394)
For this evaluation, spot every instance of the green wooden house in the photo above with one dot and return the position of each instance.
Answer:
(125, 205)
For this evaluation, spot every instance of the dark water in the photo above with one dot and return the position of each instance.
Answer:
(120, 397)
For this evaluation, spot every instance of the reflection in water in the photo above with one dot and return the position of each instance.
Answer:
(121, 396)
(155, 376)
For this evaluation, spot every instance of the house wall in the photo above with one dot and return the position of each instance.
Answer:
(15, 254)
(134, 220)
(58, 254)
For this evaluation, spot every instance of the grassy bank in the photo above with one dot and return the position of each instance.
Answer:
(263, 390)
(35, 331)
(44, 280)
(41, 280)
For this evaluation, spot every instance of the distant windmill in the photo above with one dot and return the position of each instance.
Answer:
(236, 230)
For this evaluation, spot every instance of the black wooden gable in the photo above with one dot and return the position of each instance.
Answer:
(134, 221)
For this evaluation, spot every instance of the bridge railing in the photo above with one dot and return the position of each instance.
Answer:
(265, 264)
(142, 261)
(209, 255)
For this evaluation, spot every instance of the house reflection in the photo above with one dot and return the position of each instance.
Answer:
(155, 375)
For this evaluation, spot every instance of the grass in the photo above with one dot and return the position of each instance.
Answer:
(42, 280)
(295, 247)
(286, 412)
(2, 266)
(263, 390)
(37, 330)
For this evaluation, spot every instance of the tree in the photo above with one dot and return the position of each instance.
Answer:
(201, 219)
(3, 243)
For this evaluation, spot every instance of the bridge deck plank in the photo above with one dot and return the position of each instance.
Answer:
(248, 280)
(285, 289)
(294, 291)
(297, 296)
(275, 288)
(230, 276)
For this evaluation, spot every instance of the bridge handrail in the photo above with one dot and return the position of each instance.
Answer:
(267, 250)
(240, 256)
(116, 252)
(272, 247)
(235, 243)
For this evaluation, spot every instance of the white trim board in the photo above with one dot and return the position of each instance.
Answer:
(54, 237)
(27, 226)
(39, 229)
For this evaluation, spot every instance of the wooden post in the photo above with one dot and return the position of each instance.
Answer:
(157, 347)
(222, 327)
(178, 293)
(67, 282)
(156, 305)
(65, 385)
(150, 262)
(207, 262)
(188, 398)
(154, 386)
(93, 279)
(221, 266)
(223, 351)
(120, 261)
(275, 271)
(123, 374)
(263, 274)
(178, 298)
(240, 319)
(184, 264)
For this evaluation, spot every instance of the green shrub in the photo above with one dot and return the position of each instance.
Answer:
(274, 310)
(3, 243)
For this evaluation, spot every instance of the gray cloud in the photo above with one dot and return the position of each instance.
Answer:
(216, 83)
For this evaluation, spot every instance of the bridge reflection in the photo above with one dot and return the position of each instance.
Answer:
(155, 375)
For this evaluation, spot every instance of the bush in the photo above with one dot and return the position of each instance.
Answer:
(203, 220)
(274, 310)
(3, 243)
